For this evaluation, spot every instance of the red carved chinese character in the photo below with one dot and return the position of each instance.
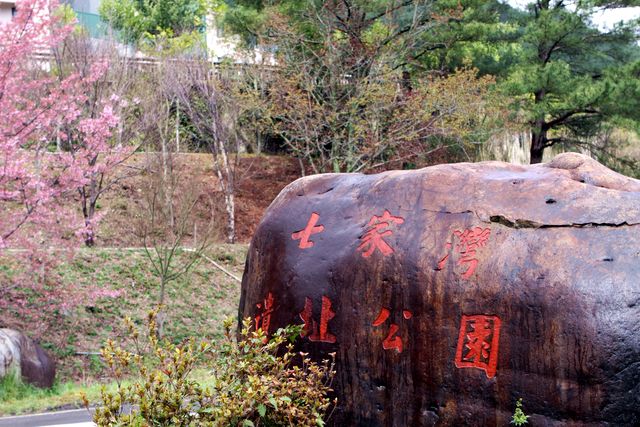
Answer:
(391, 341)
(373, 238)
(478, 343)
(469, 241)
(263, 318)
(311, 328)
(310, 229)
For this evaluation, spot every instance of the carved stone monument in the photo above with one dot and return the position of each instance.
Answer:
(450, 292)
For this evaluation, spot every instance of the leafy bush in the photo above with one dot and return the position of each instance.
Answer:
(519, 418)
(254, 381)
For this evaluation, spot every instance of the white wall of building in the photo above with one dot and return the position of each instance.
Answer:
(5, 11)
(223, 47)
(219, 47)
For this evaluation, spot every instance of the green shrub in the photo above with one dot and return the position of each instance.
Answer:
(254, 382)
(519, 418)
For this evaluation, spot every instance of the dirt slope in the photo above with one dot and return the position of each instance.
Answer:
(260, 179)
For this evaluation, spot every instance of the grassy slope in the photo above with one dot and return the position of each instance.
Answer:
(197, 303)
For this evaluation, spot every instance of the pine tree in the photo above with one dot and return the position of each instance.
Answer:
(572, 78)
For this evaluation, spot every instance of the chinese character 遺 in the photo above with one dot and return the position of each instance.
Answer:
(478, 343)
(373, 238)
(469, 241)
(311, 228)
(263, 318)
(391, 341)
(311, 329)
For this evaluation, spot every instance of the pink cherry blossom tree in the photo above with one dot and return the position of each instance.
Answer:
(39, 107)
(55, 143)
(89, 140)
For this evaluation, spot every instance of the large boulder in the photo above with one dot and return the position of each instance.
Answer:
(448, 293)
(20, 355)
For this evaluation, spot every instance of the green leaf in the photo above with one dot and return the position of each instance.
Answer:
(286, 399)
(247, 423)
(262, 410)
(273, 402)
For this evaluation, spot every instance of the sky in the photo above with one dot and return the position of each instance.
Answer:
(603, 19)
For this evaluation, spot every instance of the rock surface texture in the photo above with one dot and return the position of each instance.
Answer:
(19, 355)
(450, 292)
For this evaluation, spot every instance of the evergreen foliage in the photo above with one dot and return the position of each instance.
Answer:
(143, 20)
(572, 79)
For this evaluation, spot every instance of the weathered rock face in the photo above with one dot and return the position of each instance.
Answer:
(449, 292)
(19, 355)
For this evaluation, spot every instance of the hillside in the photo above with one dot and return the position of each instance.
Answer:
(259, 180)
(119, 269)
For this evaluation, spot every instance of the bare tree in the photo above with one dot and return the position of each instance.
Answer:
(172, 199)
(160, 124)
(167, 225)
(206, 97)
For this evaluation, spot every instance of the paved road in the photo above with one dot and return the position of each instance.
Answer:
(75, 418)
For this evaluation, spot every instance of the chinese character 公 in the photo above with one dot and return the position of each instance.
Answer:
(391, 341)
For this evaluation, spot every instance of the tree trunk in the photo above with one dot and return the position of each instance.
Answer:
(538, 131)
(161, 316)
(58, 140)
(231, 217)
(89, 237)
(177, 126)
(167, 185)
(538, 143)
(226, 173)
(89, 211)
